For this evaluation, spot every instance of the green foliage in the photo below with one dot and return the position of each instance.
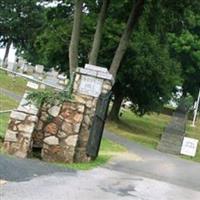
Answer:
(193, 132)
(13, 84)
(148, 73)
(186, 48)
(51, 97)
(20, 21)
(4, 118)
(145, 130)
(50, 46)
(48, 97)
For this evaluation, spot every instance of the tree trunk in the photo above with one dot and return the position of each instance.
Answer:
(5, 59)
(73, 47)
(123, 44)
(98, 34)
(114, 113)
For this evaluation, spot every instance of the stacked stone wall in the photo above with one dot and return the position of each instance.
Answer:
(61, 131)
(90, 103)
(18, 138)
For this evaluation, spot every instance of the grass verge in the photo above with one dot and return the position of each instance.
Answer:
(145, 130)
(107, 150)
(194, 132)
(4, 118)
(7, 103)
(11, 83)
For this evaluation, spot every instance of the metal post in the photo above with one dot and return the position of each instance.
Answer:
(196, 110)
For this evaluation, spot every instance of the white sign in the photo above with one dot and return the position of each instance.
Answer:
(189, 146)
(32, 85)
(90, 86)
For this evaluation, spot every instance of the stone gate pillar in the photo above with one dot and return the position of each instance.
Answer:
(89, 83)
(18, 138)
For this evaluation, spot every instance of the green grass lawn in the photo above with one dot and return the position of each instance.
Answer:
(3, 124)
(145, 130)
(107, 150)
(7, 103)
(14, 84)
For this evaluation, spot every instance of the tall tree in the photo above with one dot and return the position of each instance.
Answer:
(186, 48)
(19, 21)
(98, 33)
(147, 76)
(5, 58)
(136, 12)
(73, 47)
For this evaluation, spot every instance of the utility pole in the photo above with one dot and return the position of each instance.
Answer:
(196, 109)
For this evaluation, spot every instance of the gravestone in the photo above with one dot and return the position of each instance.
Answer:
(12, 66)
(39, 69)
(62, 79)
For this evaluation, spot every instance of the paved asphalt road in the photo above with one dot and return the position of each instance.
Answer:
(140, 174)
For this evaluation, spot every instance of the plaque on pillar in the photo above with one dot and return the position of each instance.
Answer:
(90, 86)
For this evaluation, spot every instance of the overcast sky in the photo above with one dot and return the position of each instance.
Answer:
(11, 57)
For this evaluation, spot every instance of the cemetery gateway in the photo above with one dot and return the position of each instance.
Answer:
(61, 131)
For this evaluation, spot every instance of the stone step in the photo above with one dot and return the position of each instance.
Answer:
(174, 130)
(172, 143)
(169, 148)
(172, 139)
(172, 136)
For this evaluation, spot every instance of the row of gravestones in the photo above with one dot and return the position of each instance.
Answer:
(61, 131)
(52, 77)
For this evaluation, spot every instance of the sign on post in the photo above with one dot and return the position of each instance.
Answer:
(189, 146)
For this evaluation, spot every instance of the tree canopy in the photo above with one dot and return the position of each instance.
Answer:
(160, 53)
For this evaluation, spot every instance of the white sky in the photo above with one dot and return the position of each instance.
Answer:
(11, 57)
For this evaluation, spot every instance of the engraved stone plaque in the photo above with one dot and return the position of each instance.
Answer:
(90, 86)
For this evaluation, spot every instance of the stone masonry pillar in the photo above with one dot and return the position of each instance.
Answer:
(18, 138)
(89, 83)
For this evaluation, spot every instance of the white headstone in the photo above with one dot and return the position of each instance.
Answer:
(90, 86)
(39, 69)
(62, 77)
(12, 66)
(30, 69)
(32, 85)
(189, 146)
